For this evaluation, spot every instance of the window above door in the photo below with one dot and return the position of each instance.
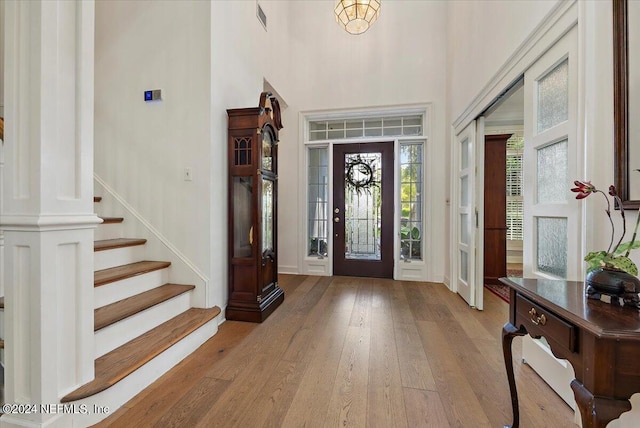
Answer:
(366, 127)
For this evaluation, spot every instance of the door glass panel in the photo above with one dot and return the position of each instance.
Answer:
(242, 228)
(363, 197)
(552, 245)
(464, 154)
(318, 201)
(552, 173)
(553, 97)
(267, 148)
(464, 191)
(464, 266)
(464, 228)
(267, 215)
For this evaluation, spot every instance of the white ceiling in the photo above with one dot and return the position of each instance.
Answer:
(509, 112)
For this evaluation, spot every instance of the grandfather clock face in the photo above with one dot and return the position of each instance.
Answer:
(267, 151)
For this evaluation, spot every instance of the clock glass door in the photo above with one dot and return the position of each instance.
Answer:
(268, 209)
(363, 210)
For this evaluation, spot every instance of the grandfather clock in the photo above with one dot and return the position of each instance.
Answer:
(253, 160)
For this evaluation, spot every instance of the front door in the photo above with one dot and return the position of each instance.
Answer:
(363, 210)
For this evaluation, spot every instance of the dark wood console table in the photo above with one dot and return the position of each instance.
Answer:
(601, 341)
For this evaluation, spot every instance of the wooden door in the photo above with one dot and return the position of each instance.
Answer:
(363, 210)
(495, 207)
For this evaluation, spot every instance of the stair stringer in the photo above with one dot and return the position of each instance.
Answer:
(118, 394)
(158, 247)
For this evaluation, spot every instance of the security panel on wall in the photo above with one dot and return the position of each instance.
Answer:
(153, 95)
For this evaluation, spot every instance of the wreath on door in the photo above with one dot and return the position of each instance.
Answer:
(360, 174)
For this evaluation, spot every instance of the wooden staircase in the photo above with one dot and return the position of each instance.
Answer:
(138, 314)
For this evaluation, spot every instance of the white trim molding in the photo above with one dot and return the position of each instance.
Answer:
(415, 270)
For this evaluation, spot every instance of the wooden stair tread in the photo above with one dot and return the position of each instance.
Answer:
(122, 309)
(112, 220)
(97, 198)
(110, 244)
(106, 276)
(119, 363)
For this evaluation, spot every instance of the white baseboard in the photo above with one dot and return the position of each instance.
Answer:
(288, 270)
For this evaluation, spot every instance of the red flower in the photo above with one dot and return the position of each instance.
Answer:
(584, 189)
(612, 190)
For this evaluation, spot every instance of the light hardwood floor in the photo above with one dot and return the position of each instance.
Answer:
(356, 352)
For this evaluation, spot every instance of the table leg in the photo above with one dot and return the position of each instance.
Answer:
(597, 412)
(509, 331)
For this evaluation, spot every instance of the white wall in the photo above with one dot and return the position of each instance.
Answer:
(399, 61)
(243, 55)
(482, 36)
(206, 57)
(141, 149)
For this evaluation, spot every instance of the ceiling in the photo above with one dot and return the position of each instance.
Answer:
(510, 111)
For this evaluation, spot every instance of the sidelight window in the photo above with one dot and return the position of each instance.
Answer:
(318, 200)
(411, 197)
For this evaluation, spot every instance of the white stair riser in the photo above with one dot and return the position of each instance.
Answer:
(109, 338)
(108, 231)
(115, 291)
(106, 259)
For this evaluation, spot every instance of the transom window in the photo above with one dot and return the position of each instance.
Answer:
(388, 126)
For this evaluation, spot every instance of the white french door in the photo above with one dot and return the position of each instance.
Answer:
(478, 285)
(469, 206)
(552, 221)
(465, 161)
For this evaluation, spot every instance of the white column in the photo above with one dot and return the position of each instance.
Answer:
(47, 208)
(2, 59)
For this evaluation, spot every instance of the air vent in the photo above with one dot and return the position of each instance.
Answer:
(262, 17)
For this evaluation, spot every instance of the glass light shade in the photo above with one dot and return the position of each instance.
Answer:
(356, 16)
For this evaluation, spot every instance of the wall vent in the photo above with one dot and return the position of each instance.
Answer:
(262, 17)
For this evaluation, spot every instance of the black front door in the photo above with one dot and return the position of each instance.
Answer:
(363, 210)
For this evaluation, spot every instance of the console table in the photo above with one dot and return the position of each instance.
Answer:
(601, 341)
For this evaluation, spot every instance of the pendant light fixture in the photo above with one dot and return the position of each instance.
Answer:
(356, 16)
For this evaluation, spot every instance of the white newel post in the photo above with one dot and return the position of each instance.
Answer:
(47, 209)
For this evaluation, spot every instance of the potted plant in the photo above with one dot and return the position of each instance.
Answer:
(611, 272)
